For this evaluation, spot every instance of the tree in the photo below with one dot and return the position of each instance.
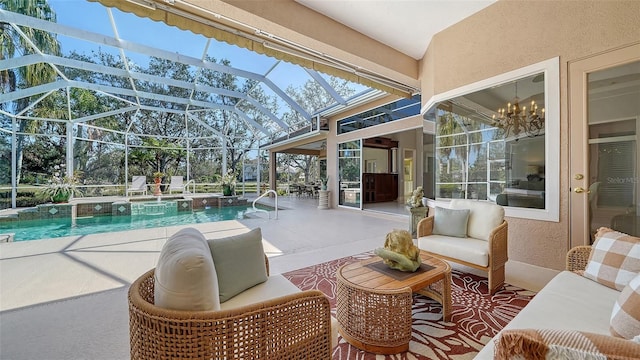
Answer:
(312, 97)
(11, 42)
(157, 155)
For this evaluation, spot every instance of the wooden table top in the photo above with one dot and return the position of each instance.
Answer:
(361, 275)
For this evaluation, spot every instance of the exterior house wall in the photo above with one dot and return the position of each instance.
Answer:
(512, 34)
(502, 37)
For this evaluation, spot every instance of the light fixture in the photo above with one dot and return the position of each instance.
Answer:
(514, 120)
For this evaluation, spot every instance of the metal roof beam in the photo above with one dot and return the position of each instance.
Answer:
(34, 59)
(104, 114)
(143, 49)
(325, 85)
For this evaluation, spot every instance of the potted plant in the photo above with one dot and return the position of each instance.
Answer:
(60, 188)
(157, 178)
(323, 182)
(228, 183)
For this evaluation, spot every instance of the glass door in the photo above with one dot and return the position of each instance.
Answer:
(605, 122)
(349, 171)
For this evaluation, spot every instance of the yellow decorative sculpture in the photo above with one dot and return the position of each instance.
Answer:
(399, 252)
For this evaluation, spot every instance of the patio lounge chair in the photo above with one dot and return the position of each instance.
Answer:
(176, 184)
(271, 320)
(138, 184)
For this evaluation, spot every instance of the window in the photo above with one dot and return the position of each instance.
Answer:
(397, 110)
(498, 140)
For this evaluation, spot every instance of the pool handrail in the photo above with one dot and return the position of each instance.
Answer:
(193, 184)
(260, 197)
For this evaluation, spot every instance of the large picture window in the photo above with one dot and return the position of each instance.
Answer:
(497, 141)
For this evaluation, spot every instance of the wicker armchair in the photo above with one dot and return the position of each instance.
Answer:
(296, 326)
(578, 257)
(495, 247)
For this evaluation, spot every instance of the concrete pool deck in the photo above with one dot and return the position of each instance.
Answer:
(41, 271)
(66, 298)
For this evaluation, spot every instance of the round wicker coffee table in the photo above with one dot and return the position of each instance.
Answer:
(373, 304)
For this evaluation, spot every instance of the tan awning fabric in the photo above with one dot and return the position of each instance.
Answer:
(198, 26)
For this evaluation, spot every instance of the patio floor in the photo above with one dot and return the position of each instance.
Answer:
(40, 271)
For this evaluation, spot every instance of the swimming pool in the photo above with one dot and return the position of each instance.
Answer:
(42, 229)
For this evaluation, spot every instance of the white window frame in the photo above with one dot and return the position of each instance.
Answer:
(551, 70)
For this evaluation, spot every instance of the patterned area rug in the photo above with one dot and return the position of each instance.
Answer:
(476, 316)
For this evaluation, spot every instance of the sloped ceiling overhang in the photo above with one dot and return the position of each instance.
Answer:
(217, 19)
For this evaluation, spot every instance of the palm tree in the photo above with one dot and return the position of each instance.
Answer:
(12, 42)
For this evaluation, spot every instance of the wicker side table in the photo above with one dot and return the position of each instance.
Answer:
(374, 321)
(374, 310)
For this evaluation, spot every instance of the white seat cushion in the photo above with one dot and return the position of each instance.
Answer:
(568, 302)
(483, 216)
(466, 249)
(275, 286)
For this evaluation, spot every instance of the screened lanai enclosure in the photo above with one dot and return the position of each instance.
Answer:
(96, 95)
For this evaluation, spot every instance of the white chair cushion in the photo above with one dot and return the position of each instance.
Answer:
(275, 286)
(568, 302)
(466, 249)
(185, 277)
(483, 216)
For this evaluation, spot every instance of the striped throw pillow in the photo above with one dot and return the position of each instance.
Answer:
(625, 318)
(614, 259)
(561, 344)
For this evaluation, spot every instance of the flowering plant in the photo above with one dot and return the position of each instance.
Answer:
(60, 188)
(229, 179)
(228, 183)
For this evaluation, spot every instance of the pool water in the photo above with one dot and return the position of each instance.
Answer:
(41, 229)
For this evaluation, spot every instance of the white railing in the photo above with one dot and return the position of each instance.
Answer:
(260, 197)
(193, 186)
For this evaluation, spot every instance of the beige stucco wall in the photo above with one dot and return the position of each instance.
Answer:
(511, 34)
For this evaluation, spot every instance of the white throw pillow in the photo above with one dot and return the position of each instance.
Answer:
(185, 277)
(483, 216)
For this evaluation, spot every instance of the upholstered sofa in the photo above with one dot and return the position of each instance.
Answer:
(186, 309)
(470, 232)
(570, 314)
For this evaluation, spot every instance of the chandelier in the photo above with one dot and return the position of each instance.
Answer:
(514, 120)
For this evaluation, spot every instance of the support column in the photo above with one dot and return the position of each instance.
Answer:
(394, 160)
(69, 151)
(272, 170)
(14, 162)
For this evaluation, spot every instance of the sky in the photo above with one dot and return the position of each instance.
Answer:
(93, 17)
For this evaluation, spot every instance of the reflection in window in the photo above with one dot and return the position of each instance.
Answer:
(397, 110)
(349, 172)
(488, 146)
